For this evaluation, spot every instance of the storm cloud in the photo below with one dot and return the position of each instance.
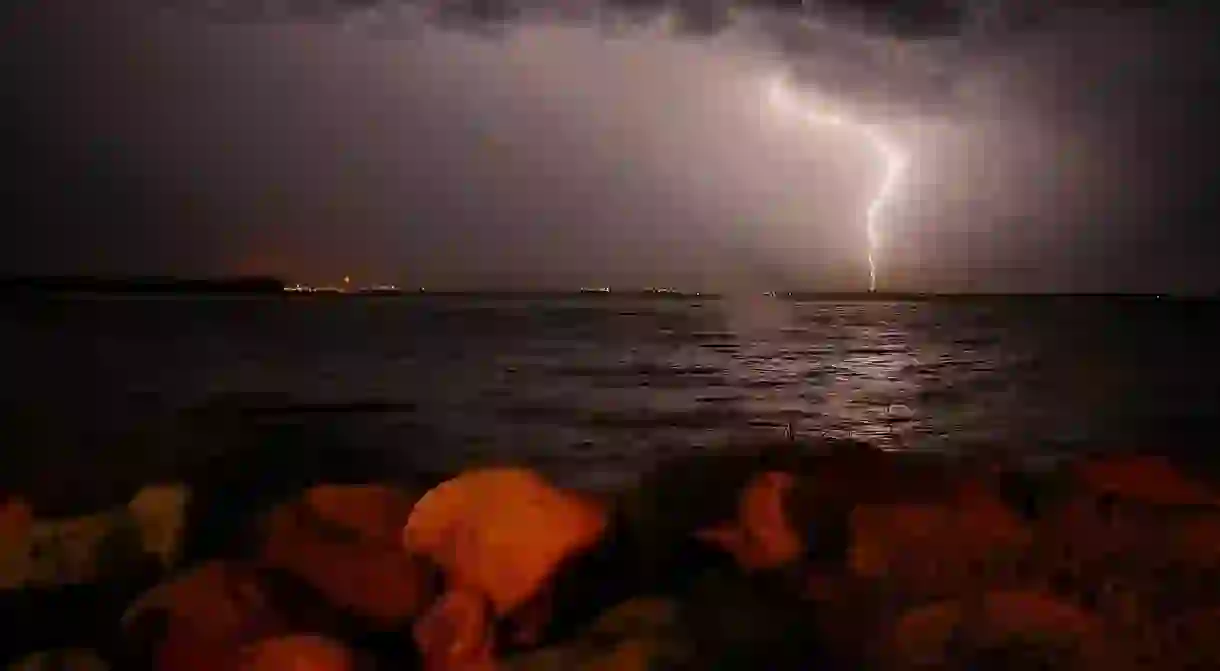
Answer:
(1054, 145)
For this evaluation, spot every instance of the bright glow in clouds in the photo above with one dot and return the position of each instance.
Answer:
(781, 96)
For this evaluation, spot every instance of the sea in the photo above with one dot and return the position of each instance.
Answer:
(103, 392)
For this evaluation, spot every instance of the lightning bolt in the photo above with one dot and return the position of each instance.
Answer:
(781, 96)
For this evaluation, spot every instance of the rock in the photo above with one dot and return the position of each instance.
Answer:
(206, 612)
(1078, 534)
(372, 512)
(54, 552)
(501, 532)
(84, 549)
(937, 548)
(854, 474)
(297, 653)
(1194, 540)
(746, 621)
(761, 536)
(656, 522)
(998, 629)
(456, 633)
(345, 542)
(1148, 479)
(1186, 640)
(640, 634)
(16, 525)
(61, 660)
(160, 512)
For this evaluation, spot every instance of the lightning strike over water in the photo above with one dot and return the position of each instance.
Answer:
(781, 96)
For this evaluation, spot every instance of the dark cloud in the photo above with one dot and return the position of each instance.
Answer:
(1069, 151)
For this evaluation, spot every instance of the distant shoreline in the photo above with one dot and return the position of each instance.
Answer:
(270, 286)
(68, 284)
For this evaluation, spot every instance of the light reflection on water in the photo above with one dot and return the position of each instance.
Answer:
(613, 383)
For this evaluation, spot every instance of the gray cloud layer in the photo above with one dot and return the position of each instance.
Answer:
(886, 58)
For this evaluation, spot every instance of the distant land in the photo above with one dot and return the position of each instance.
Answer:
(140, 285)
(262, 285)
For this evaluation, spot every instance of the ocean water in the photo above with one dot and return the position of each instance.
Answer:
(594, 389)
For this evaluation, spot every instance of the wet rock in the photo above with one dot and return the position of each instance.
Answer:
(502, 532)
(345, 543)
(61, 660)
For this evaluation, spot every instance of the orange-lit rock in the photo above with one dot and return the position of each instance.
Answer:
(16, 518)
(297, 653)
(371, 511)
(455, 634)
(936, 547)
(502, 532)
(1148, 479)
(217, 603)
(16, 523)
(762, 536)
(84, 549)
(160, 513)
(940, 633)
(921, 637)
(1014, 611)
(356, 563)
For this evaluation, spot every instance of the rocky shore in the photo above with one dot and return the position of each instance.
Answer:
(787, 556)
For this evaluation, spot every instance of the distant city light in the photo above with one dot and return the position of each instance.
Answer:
(305, 288)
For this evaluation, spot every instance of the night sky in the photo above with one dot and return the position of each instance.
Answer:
(1053, 146)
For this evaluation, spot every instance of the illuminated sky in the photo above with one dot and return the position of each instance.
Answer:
(1047, 150)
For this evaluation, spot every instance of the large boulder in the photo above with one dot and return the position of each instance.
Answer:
(201, 618)
(502, 533)
(344, 542)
